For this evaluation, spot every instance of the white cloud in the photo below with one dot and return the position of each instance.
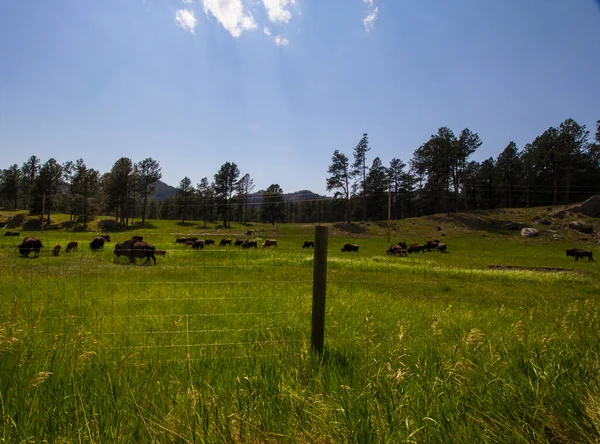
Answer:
(266, 31)
(369, 2)
(281, 41)
(230, 13)
(187, 2)
(186, 19)
(276, 9)
(369, 20)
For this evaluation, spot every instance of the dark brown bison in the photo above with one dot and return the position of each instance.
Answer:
(185, 240)
(133, 249)
(269, 243)
(308, 244)
(431, 245)
(350, 247)
(249, 233)
(56, 250)
(441, 248)
(578, 253)
(224, 242)
(12, 233)
(238, 242)
(106, 237)
(28, 245)
(160, 252)
(209, 242)
(97, 243)
(198, 244)
(189, 243)
(397, 250)
(71, 246)
(250, 244)
(402, 245)
(138, 238)
(416, 248)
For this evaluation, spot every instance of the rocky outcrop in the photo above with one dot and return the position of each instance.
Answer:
(590, 207)
(530, 232)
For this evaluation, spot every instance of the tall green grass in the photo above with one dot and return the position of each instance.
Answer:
(214, 345)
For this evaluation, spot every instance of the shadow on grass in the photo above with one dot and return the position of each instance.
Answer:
(113, 226)
(479, 222)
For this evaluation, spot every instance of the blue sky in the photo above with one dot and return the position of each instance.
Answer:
(277, 85)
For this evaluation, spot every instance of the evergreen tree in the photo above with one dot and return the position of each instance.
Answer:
(509, 172)
(46, 188)
(9, 185)
(271, 205)
(340, 180)
(184, 198)
(376, 187)
(359, 170)
(224, 185)
(148, 172)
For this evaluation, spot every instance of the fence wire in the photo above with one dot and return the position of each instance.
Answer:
(228, 302)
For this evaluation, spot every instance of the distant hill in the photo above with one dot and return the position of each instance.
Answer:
(164, 191)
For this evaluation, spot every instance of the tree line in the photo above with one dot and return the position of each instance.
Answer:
(560, 166)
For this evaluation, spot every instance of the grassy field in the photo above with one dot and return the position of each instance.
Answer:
(214, 345)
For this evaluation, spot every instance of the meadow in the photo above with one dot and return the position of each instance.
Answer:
(214, 345)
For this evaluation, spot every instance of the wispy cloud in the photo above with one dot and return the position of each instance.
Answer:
(281, 41)
(266, 31)
(372, 11)
(187, 2)
(277, 10)
(186, 19)
(231, 14)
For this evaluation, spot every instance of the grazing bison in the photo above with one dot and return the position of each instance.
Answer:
(441, 248)
(71, 246)
(97, 243)
(138, 238)
(238, 242)
(209, 242)
(402, 245)
(56, 250)
(416, 248)
(350, 247)
(160, 252)
(198, 244)
(249, 233)
(269, 243)
(431, 245)
(133, 249)
(250, 244)
(578, 253)
(189, 243)
(397, 250)
(106, 237)
(224, 242)
(308, 244)
(185, 240)
(28, 245)
(12, 233)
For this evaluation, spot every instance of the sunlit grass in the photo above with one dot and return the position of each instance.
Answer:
(214, 345)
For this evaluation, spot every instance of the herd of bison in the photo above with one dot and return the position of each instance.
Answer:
(136, 248)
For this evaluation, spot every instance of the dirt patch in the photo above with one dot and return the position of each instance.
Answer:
(540, 269)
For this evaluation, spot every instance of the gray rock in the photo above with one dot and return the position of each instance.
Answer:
(544, 221)
(530, 232)
(559, 213)
(511, 226)
(590, 207)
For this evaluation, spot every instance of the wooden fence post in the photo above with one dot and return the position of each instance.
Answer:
(319, 288)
